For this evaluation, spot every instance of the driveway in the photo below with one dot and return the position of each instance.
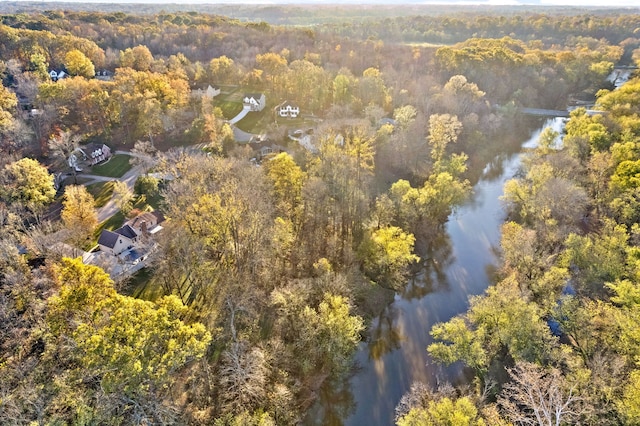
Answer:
(242, 114)
(110, 209)
(130, 177)
(241, 135)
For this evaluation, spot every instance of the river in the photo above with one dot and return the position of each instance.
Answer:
(460, 265)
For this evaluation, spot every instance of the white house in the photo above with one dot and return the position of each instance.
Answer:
(118, 241)
(288, 109)
(57, 75)
(105, 75)
(255, 101)
(96, 153)
(210, 92)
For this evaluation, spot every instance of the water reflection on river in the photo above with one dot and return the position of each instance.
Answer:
(459, 264)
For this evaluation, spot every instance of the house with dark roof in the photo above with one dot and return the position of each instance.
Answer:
(118, 241)
(96, 153)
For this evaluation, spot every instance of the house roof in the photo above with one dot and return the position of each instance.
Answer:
(253, 95)
(94, 146)
(148, 217)
(108, 238)
(127, 231)
(288, 103)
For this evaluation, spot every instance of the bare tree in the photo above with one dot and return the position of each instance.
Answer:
(142, 154)
(538, 396)
(62, 149)
(243, 377)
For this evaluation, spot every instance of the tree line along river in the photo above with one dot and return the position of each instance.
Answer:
(460, 263)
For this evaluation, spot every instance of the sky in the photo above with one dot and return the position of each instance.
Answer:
(595, 3)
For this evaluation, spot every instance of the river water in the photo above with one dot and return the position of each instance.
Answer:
(460, 265)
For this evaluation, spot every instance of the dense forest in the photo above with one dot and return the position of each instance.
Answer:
(277, 250)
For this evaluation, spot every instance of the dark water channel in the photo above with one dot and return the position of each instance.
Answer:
(459, 265)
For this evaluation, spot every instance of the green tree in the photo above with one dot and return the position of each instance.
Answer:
(78, 64)
(444, 412)
(629, 405)
(373, 90)
(38, 65)
(128, 347)
(28, 183)
(333, 331)
(385, 254)
(498, 323)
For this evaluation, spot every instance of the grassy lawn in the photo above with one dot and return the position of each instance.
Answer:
(112, 223)
(101, 191)
(256, 121)
(142, 285)
(118, 219)
(69, 180)
(117, 166)
(154, 201)
(229, 108)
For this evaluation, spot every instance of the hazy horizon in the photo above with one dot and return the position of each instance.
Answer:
(574, 3)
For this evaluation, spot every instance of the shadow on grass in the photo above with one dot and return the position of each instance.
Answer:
(101, 192)
(142, 285)
(117, 166)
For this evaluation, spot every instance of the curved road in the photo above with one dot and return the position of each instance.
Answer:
(130, 177)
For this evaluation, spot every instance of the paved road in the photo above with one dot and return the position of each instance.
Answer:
(241, 135)
(130, 177)
(110, 209)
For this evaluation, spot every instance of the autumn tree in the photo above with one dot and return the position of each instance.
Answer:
(79, 213)
(443, 130)
(27, 183)
(498, 323)
(385, 253)
(287, 179)
(139, 58)
(274, 67)
(8, 102)
(78, 64)
(215, 131)
(223, 70)
(462, 97)
(128, 346)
